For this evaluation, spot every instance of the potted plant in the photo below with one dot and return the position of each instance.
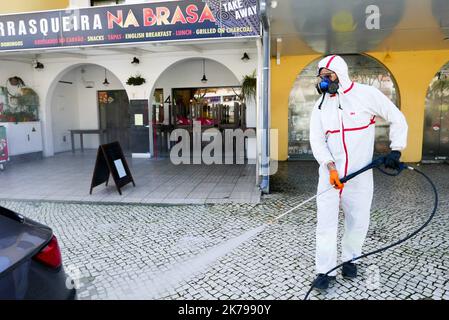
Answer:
(136, 80)
(249, 87)
(248, 97)
(28, 97)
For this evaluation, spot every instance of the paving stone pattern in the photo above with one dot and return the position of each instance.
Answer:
(155, 251)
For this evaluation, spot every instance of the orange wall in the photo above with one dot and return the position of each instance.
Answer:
(283, 77)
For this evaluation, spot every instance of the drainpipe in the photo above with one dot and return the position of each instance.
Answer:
(265, 161)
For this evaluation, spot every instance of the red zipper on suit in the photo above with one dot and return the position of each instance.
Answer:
(346, 149)
(371, 122)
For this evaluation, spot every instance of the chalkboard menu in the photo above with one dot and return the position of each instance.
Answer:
(111, 161)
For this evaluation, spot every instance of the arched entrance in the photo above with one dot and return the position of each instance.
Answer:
(194, 89)
(88, 97)
(303, 96)
(436, 123)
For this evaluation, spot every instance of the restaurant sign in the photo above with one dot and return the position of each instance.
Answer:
(147, 22)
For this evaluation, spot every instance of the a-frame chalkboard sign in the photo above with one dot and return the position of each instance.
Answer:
(111, 161)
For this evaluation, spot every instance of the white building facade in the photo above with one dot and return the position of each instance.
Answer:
(69, 83)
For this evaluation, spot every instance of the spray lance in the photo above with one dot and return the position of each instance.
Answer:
(377, 163)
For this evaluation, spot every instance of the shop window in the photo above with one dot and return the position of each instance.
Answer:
(436, 121)
(303, 96)
(214, 107)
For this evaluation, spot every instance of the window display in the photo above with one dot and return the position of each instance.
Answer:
(436, 122)
(215, 107)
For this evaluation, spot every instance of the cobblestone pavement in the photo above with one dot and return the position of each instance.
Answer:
(217, 251)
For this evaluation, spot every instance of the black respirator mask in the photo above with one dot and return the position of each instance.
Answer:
(327, 86)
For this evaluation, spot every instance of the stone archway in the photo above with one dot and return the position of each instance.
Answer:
(72, 102)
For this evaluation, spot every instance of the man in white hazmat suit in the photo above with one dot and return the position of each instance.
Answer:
(342, 136)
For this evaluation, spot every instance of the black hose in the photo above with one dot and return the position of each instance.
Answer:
(435, 207)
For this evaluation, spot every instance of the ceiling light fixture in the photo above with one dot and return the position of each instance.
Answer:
(204, 79)
(245, 57)
(89, 84)
(105, 82)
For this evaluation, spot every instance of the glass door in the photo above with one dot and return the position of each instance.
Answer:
(436, 123)
(115, 116)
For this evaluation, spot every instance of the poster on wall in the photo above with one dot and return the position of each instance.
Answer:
(18, 103)
(147, 22)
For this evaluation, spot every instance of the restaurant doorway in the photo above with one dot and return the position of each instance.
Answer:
(114, 114)
(192, 91)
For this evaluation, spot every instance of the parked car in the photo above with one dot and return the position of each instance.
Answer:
(30, 261)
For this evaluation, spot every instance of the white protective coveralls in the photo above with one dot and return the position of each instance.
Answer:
(346, 135)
